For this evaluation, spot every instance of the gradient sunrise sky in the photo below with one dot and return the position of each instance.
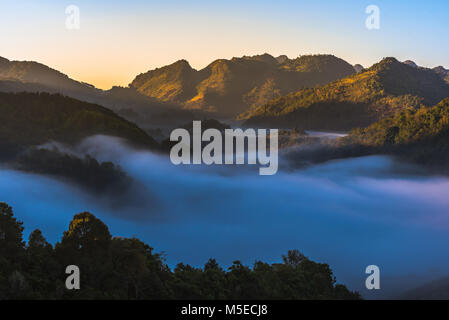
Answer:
(120, 39)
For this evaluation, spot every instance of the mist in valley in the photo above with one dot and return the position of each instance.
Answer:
(348, 213)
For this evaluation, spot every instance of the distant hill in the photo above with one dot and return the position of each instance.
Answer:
(29, 76)
(421, 136)
(435, 290)
(358, 68)
(36, 73)
(229, 87)
(410, 63)
(442, 72)
(355, 101)
(32, 119)
(417, 137)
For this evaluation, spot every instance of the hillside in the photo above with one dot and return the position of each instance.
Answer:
(30, 76)
(442, 72)
(417, 137)
(94, 176)
(229, 87)
(434, 290)
(355, 101)
(421, 136)
(36, 73)
(32, 119)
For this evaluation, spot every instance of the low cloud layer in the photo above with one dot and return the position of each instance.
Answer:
(348, 213)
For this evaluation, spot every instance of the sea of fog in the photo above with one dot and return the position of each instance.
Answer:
(349, 213)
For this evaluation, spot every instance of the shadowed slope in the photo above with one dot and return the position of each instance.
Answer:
(229, 87)
(355, 101)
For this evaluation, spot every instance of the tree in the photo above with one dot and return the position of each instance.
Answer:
(87, 245)
(11, 243)
(86, 232)
(41, 266)
(11, 254)
(121, 268)
(10, 229)
(293, 258)
(37, 241)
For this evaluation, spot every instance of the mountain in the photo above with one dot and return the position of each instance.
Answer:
(281, 58)
(442, 72)
(29, 76)
(33, 72)
(358, 68)
(229, 87)
(411, 63)
(36, 118)
(355, 101)
(421, 136)
(434, 290)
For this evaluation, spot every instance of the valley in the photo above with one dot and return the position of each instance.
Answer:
(362, 162)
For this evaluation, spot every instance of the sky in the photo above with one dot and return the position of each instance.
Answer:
(118, 40)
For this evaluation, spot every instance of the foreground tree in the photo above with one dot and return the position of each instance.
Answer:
(121, 268)
(12, 255)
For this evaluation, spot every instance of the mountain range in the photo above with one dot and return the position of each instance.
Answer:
(230, 87)
(225, 87)
(30, 76)
(440, 70)
(30, 119)
(308, 92)
(420, 136)
(356, 100)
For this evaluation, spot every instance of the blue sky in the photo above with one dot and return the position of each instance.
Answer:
(119, 39)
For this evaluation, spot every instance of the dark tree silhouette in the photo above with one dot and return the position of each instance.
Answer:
(122, 268)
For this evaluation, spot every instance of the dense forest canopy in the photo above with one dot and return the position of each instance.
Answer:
(414, 136)
(126, 268)
(358, 100)
(36, 118)
(418, 135)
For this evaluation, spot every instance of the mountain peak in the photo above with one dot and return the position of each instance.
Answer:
(441, 71)
(266, 58)
(318, 63)
(281, 59)
(183, 64)
(389, 64)
(232, 86)
(358, 68)
(411, 63)
(387, 61)
(383, 89)
(3, 60)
